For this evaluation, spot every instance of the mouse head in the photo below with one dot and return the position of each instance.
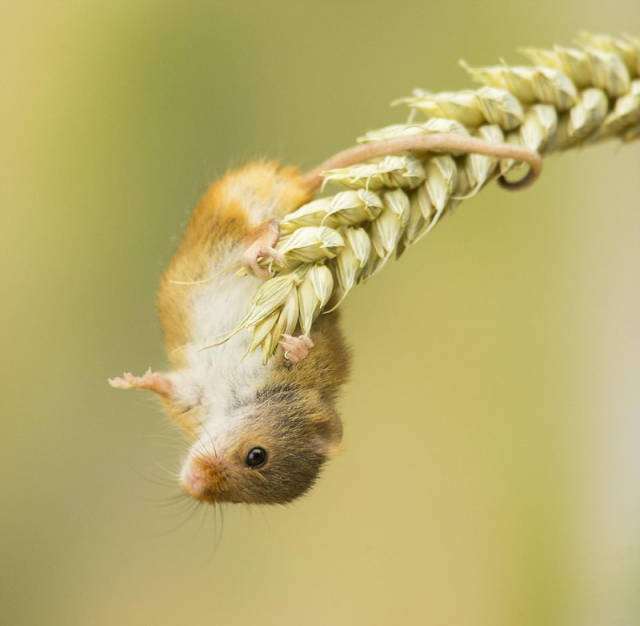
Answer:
(271, 454)
(256, 444)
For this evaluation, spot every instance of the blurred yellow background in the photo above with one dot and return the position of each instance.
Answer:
(490, 473)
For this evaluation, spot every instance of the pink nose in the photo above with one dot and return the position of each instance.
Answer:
(194, 483)
(203, 477)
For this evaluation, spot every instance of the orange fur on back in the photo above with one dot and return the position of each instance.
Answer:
(226, 215)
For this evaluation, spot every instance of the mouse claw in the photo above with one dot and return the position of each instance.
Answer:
(263, 240)
(150, 381)
(252, 255)
(296, 349)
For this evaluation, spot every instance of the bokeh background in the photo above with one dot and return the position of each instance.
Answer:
(490, 470)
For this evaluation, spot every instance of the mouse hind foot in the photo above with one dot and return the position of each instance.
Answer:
(296, 349)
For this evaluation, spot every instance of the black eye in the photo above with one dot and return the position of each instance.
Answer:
(257, 457)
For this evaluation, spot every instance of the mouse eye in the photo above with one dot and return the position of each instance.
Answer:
(256, 457)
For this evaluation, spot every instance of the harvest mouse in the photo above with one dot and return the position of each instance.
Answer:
(260, 432)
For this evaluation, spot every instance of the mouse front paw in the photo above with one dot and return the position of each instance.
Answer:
(150, 381)
(296, 349)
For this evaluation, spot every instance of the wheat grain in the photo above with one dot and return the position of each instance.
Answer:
(571, 96)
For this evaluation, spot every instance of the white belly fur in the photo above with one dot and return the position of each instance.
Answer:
(226, 376)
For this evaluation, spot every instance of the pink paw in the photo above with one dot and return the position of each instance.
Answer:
(263, 239)
(151, 381)
(296, 349)
(257, 251)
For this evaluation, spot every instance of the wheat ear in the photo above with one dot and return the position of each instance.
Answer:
(403, 178)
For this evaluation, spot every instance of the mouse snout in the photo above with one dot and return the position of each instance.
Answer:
(203, 477)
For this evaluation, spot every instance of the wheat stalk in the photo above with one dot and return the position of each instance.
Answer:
(571, 96)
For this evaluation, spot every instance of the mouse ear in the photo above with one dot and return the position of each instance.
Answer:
(329, 427)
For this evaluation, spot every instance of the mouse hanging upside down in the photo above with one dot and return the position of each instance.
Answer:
(260, 431)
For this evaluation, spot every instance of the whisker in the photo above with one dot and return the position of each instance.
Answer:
(154, 480)
(175, 474)
(193, 507)
(218, 529)
(169, 501)
(221, 532)
(213, 445)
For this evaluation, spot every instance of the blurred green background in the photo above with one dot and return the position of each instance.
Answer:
(490, 470)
